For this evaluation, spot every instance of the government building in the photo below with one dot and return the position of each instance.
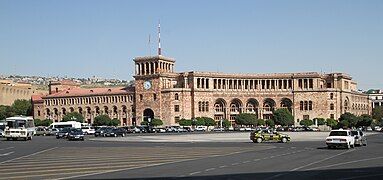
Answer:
(159, 92)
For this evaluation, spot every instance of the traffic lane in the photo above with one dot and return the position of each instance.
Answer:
(285, 161)
(11, 150)
(205, 165)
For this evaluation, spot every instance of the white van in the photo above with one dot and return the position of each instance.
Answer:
(70, 124)
(19, 127)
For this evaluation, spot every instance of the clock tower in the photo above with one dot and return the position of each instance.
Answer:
(150, 74)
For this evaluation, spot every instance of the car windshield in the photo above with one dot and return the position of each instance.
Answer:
(16, 124)
(338, 133)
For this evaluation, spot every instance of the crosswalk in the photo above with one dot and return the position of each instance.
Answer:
(72, 162)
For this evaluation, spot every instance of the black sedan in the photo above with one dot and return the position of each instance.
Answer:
(76, 134)
(116, 132)
(63, 133)
(101, 131)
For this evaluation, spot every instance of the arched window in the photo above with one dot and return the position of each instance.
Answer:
(176, 96)
(331, 106)
(310, 105)
(331, 95)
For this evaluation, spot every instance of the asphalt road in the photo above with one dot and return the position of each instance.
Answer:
(50, 158)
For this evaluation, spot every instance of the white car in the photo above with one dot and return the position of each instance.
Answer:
(88, 130)
(201, 128)
(340, 138)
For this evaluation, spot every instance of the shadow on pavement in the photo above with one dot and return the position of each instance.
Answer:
(355, 173)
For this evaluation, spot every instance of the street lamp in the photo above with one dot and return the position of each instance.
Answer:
(149, 120)
(193, 122)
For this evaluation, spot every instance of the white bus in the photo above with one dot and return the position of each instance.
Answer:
(70, 124)
(19, 127)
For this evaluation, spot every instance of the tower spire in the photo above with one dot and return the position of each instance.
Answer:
(159, 38)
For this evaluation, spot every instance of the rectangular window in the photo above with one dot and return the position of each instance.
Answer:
(311, 84)
(332, 116)
(306, 117)
(176, 108)
(176, 119)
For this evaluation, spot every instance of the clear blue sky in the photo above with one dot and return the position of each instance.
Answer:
(90, 37)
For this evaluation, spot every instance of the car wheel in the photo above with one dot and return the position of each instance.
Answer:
(365, 143)
(8, 139)
(329, 147)
(259, 140)
(284, 140)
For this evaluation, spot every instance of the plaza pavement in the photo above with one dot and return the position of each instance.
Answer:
(214, 137)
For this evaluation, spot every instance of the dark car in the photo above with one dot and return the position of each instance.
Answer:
(101, 131)
(63, 133)
(76, 134)
(116, 132)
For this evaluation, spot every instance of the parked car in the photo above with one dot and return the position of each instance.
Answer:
(52, 132)
(201, 128)
(368, 128)
(63, 133)
(88, 130)
(75, 134)
(101, 131)
(360, 138)
(268, 135)
(188, 129)
(217, 129)
(377, 128)
(42, 131)
(340, 138)
(159, 130)
(115, 132)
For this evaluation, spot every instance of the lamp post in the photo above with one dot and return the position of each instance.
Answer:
(193, 122)
(149, 128)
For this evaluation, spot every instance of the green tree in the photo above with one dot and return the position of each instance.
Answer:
(306, 122)
(351, 119)
(102, 120)
(332, 123)
(245, 119)
(261, 122)
(225, 123)
(344, 124)
(320, 121)
(6, 111)
(185, 122)
(270, 123)
(209, 121)
(22, 107)
(283, 117)
(364, 120)
(200, 121)
(377, 113)
(73, 116)
(156, 122)
(114, 122)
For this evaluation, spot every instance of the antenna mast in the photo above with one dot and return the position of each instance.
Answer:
(159, 38)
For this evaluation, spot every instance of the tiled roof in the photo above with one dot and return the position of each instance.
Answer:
(70, 92)
(36, 98)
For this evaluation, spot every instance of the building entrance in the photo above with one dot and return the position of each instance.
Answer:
(148, 113)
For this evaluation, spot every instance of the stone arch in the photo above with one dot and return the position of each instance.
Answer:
(106, 110)
(220, 105)
(56, 111)
(148, 113)
(236, 106)
(115, 110)
(97, 110)
(71, 109)
(346, 104)
(269, 104)
(287, 103)
(63, 110)
(80, 110)
(48, 111)
(124, 109)
(252, 105)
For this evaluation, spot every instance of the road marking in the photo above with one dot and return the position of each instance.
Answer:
(222, 166)
(6, 148)
(234, 164)
(39, 152)
(316, 162)
(6, 154)
(244, 162)
(193, 173)
(211, 169)
(349, 162)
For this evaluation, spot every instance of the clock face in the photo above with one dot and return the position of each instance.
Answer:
(147, 85)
